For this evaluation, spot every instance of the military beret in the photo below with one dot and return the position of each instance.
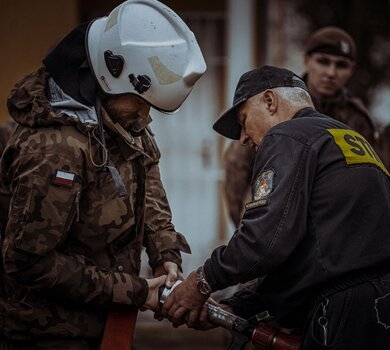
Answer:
(331, 40)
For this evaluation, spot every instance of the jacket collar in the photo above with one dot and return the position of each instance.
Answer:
(304, 112)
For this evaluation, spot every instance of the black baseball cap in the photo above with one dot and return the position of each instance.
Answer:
(251, 83)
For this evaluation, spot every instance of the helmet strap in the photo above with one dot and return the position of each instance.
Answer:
(98, 108)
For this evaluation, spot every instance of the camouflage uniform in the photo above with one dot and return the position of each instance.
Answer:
(72, 243)
(6, 130)
(239, 160)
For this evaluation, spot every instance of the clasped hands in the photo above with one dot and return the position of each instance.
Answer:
(185, 304)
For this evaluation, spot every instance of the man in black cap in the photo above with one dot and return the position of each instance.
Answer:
(330, 59)
(316, 230)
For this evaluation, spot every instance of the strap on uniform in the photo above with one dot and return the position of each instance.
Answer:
(119, 330)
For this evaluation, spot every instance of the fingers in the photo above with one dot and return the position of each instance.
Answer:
(161, 280)
(202, 323)
(179, 313)
(152, 300)
(194, 317)
(185, 298)
(169, 303)
(177, 322)
(158, 315)
(212, 302)
(203, 314)
(172, 270)
(156, 282)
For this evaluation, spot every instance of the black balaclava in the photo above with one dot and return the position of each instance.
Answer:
(68, 65)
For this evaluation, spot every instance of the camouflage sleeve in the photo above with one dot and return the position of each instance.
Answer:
(40, 215)
(238, 173)
(161, 240)
(360, 120)
(6, 130)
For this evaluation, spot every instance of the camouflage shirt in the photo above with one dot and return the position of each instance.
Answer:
(239, 160)
(75, 229)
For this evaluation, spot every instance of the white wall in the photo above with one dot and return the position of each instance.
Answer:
(189, 147)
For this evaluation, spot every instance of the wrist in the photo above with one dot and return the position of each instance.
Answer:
(203, 286)
(227, 307)
(129, 290)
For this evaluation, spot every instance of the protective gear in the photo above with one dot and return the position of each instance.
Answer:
(142, 47)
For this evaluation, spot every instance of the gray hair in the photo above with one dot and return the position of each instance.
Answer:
(294, 95)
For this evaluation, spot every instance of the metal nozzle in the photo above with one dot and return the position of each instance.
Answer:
(164, 291)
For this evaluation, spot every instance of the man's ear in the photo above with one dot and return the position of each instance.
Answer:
(269, 97)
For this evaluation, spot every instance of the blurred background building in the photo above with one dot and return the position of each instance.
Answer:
(235, 36)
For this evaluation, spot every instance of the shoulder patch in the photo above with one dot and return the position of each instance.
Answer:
(263, 185)
(255, 204)
(356, 149)
(63, 178)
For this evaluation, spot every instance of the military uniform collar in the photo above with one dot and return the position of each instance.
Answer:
(134, 142)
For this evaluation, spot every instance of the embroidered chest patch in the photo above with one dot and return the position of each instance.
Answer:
(263, 185)
(64, 178)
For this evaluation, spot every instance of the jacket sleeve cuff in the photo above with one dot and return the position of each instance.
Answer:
(165, 246)
(209, 275)
(172, 256)
(247, 302)
(129, 290)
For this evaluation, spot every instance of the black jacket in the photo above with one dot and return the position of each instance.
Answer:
(322, 215)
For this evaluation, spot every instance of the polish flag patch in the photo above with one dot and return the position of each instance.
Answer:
(64, 178)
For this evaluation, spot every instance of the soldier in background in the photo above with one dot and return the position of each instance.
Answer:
(330, 58)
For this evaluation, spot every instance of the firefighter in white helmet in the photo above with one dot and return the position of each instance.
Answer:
(157, 59)
(81, 179)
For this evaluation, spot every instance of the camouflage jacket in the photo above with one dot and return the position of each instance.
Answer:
(6, 130)
(239, 160)
(75, 229)
(349, 110)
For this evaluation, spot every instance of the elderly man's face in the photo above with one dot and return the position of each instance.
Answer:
(254, 117)
(126, 109)
(327, 74)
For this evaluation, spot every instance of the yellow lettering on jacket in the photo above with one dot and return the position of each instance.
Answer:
(356, 148)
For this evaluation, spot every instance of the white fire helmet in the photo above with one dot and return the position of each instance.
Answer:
(144, 48)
